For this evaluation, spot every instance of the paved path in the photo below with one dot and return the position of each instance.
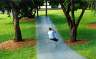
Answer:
(46, 49)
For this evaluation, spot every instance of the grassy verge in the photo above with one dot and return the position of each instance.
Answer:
(84, 33)
(7, 33)
(22, 53)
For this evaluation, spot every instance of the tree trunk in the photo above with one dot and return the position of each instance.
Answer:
(73, 25)
(74, 34)
(18, 36)
(46, 6)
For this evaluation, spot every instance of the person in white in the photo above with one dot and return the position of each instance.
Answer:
(52, 35)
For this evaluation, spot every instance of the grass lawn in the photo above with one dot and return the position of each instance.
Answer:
(89, 49)
(7, 33)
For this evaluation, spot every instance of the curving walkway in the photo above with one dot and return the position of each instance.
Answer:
(46, 49)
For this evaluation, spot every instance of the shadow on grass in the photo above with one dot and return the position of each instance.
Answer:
(55, 19)
(92, 23)
(5, 37)
(2, 18)
(88, 34)
(20, 23)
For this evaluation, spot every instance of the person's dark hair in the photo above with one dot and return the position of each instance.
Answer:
(50, 28)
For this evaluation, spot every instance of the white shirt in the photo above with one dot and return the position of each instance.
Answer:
(51, 34)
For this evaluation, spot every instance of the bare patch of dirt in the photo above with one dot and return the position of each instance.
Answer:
(11, 44)
(69, 42)
(92, 26)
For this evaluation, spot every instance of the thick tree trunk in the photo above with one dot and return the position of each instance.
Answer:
(74, 34)
(18, 36)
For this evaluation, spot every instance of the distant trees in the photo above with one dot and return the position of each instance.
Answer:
(4, 6)
(54, 4)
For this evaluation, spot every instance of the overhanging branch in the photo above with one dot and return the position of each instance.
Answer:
(81, 15)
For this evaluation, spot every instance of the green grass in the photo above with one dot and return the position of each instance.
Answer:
(28, 29)
(7, 33)
(21, 53)
(89, 49)
(7, 28)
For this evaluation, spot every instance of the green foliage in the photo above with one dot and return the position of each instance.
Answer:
(53, 3)
(78, 4)
(24, 8)
(81, 4)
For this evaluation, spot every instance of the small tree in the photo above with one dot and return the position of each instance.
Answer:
(20, 8)
(69, 7)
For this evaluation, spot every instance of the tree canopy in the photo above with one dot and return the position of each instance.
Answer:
(24, 8)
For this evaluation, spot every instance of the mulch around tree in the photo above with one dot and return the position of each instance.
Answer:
(82, 41)
(11, 44)
(92, 26)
